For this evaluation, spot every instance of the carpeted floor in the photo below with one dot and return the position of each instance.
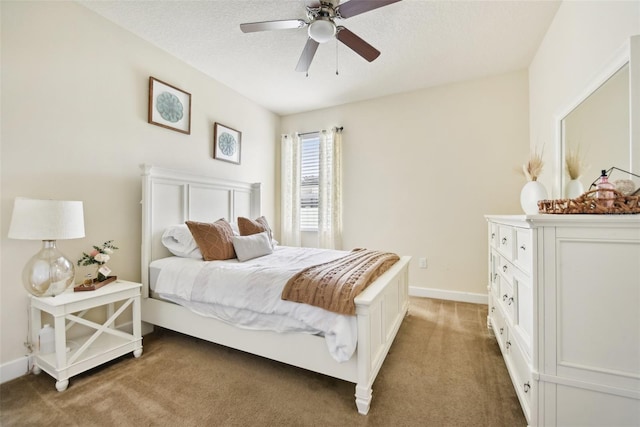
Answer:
(444, 369)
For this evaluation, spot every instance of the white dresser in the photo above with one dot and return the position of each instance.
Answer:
(564, 304)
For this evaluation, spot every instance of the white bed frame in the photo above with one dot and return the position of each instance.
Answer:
(172, 197)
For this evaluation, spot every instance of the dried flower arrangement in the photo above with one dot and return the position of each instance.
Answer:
(575, 163)
(533, 168)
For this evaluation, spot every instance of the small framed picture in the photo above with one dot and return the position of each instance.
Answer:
(169, 106)
(226, 143)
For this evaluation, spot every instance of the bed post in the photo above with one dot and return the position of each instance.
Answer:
(146, 229)
(380, 308)
(364, 391)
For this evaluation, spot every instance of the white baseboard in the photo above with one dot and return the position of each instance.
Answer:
(415, 291)
(14, 369)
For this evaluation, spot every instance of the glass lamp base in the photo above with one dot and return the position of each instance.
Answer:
(48, 273)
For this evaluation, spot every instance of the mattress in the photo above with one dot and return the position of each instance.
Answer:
(247, 294)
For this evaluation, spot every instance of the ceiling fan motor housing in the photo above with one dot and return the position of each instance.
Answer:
(322, 28)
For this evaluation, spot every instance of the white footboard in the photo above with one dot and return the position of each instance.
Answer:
(380, 310)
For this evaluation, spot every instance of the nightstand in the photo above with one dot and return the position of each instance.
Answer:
(86, 352)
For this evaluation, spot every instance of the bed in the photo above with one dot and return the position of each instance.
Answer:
(172, 197)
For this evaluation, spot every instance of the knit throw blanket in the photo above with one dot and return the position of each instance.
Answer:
(334, 284)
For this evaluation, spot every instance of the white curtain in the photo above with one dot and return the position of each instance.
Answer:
(290, 191)
(330, 190)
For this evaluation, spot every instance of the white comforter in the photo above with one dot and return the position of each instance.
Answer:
(247, 294)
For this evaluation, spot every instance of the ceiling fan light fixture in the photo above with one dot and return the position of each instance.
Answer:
(322, 30)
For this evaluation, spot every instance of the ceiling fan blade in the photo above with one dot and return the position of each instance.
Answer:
(356, 44)
(307, 55)
(356, 7)
(252, 27)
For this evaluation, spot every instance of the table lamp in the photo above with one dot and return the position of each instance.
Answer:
(49, 272)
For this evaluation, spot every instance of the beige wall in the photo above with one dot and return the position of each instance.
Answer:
(74, 126)
(581, 39)
(421, 169)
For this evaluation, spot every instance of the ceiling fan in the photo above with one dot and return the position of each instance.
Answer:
(322, 27)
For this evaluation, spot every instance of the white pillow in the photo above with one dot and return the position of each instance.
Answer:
(180, 242)
(253, 246)
(234, 227)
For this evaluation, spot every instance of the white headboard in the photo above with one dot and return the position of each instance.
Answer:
(172, 197)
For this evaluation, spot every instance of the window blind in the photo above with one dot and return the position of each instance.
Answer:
(309, 189)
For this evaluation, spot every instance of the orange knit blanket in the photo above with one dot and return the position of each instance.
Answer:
(334, 285)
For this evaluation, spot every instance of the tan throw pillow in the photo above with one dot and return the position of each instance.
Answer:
(215, 240)
(247, 227)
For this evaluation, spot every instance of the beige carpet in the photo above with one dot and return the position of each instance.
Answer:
(444, 369)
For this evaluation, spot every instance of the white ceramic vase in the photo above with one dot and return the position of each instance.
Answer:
(529, 196)
(573, 189)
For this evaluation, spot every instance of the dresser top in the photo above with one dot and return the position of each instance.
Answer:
(561, 220)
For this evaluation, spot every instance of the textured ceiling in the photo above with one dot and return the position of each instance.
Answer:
(423, 44)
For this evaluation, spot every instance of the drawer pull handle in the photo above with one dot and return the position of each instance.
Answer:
(495, 276)
(504, 268)
(523, 247)
(493, 309)
(501, 331)
(510, 300)
(493, 235)
(508, 344)
(527, 387)
(504, 240)
(504, 297)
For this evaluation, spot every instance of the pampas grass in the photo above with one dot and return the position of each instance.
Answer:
(533, 168)
(575, 164)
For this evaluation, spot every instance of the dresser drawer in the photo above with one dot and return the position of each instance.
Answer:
(508, 301)
(506, 268)
(523, 245)
(523, 305)
(494, 277)
(493, 235)
(505, 244)
(499, 327)
(520, 375)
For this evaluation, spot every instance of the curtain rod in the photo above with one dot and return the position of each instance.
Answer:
(337, 128)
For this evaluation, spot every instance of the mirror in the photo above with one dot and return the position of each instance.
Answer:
(597, 130)
(598, 125)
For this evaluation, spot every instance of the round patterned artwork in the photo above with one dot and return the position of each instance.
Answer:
(169, 107)
(227, 144)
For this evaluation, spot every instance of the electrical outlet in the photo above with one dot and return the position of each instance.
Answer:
(423, 263)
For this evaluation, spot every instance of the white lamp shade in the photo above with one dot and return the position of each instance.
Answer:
(34, 219)
(322, 30)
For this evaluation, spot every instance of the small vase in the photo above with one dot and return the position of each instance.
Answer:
(573, 189)
(531, 193)
(99, 276)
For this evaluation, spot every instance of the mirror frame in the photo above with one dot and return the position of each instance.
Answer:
(629, 53)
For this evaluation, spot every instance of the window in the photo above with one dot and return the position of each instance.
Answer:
(309, 182)
(312, 188)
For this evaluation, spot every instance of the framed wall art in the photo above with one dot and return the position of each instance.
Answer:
(226, 143)
(169, 106)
